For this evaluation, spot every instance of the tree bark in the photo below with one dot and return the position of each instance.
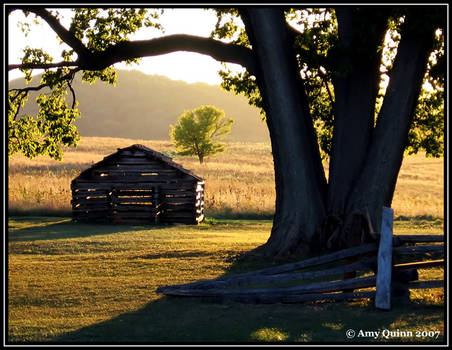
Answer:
(376, 185)
(355, 95)
(355, 81)
(299, 176)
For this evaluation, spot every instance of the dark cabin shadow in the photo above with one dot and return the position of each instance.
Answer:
(62, 228)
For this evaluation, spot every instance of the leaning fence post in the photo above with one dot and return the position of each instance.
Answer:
(383, 292)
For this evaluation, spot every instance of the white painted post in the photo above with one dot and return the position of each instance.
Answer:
(383, 292)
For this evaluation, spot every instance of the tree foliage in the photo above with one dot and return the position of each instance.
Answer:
(314, 32)
(199, 130)
(49, 129)
(316, 44)
(91, 30)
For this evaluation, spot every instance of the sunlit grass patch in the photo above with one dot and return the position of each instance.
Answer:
(333, 326)
(31, 222)
(269, 335)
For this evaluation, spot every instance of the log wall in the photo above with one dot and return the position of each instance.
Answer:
(133, 188)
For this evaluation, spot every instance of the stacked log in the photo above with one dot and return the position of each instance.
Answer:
(137, 186)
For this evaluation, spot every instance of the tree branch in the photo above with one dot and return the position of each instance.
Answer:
(65, 35)
(172, 43)
(24, 91)
(159, 46)
(22, 95)
(127, 50)
(69, 77)
(42, 65)
(378, 178)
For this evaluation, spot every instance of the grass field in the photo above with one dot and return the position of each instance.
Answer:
(80, 283)
(239, 182)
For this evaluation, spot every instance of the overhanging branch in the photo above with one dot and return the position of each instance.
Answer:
(41, 65)
(21, 93)
(180, 42)
(127, 50)
(159, 46)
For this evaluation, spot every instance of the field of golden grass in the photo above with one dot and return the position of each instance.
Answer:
(82, 283)
(239, 182)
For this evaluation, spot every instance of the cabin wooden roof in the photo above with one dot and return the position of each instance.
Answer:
(150, 153)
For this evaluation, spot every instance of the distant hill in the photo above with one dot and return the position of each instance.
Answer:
(143, 106)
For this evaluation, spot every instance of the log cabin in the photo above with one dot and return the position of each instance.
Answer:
(137, 185)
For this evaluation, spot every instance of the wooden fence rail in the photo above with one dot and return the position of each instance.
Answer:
(388, 277)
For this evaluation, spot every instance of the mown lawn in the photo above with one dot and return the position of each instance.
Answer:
(81, 283)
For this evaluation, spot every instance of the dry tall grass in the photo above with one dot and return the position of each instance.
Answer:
(239, 182)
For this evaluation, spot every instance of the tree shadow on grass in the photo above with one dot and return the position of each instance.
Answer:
(28, 229)
(179, 254)
(178, 320)
(175, 320)
(195, 320)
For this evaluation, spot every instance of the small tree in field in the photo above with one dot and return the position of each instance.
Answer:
(198, 131)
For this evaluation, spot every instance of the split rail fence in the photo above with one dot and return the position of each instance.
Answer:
(393, 262)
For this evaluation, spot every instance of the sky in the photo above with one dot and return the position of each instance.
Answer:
(186, 66)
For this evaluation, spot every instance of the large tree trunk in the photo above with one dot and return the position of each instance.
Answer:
(366, 159)
(356, 81)
(355, 93)
(299, 176)
(376, 184)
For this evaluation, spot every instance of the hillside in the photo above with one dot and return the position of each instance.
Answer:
(142, 107)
